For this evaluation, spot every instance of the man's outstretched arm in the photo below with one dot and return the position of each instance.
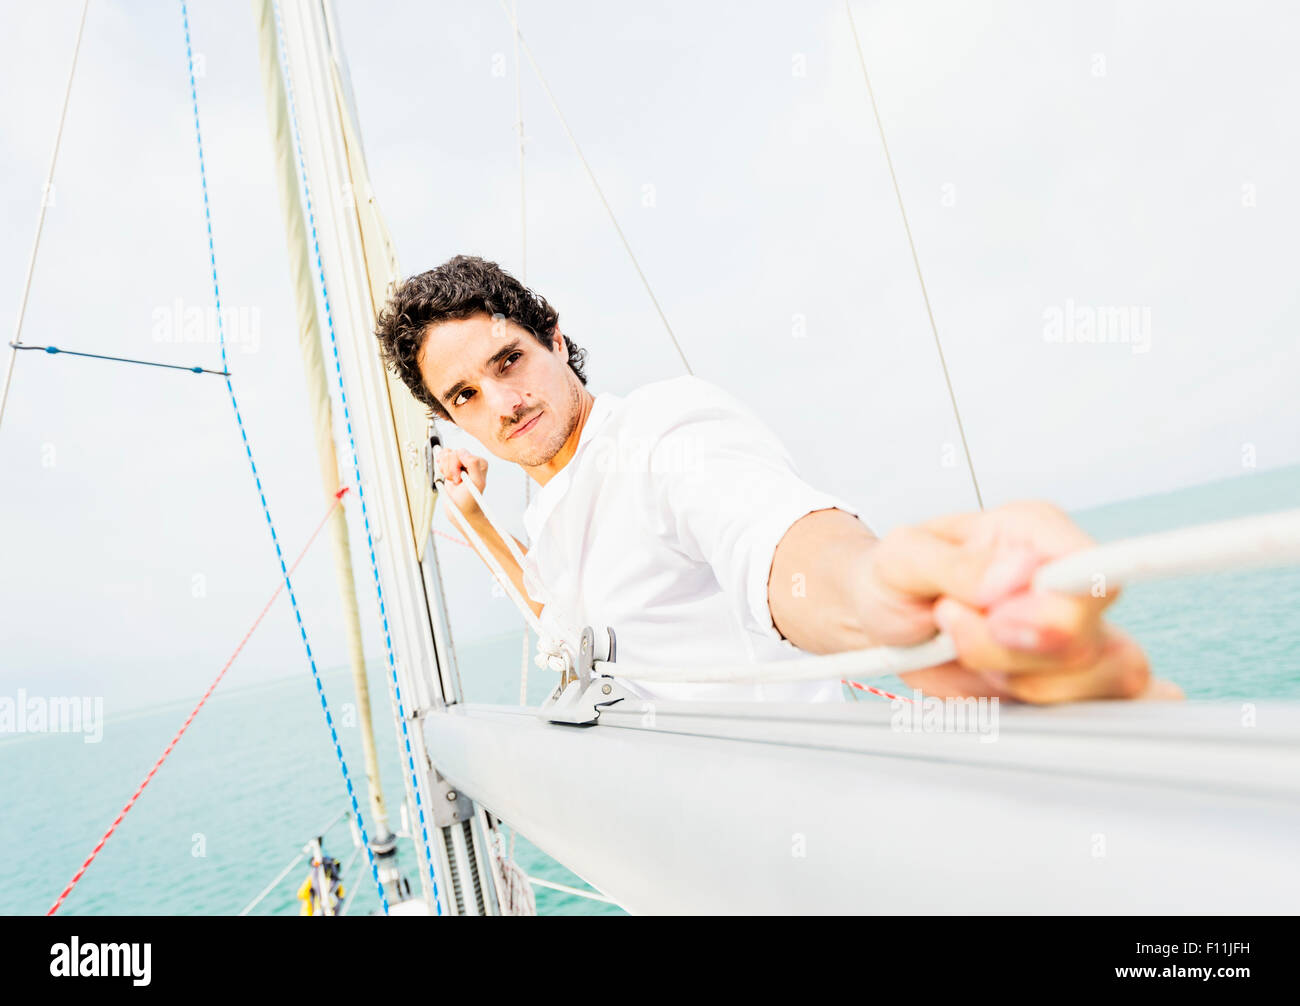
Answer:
(834, 586)
(808, 590)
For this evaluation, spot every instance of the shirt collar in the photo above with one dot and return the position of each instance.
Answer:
(548, 495)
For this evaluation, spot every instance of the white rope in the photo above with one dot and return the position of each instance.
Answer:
(40, 220)
(497, 526)
(1245, 543)
(874, 662)
(554, 651)
(506, 583)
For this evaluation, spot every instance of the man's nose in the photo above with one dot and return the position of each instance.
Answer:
(506, 401)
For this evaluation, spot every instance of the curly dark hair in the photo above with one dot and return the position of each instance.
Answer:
(460, 288)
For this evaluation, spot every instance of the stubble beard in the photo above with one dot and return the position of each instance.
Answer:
(544, 452)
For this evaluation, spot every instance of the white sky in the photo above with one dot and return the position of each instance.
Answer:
(1087, 153)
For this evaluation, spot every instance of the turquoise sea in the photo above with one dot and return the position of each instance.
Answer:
(256, 772)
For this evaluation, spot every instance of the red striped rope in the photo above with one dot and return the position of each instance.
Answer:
(338, 500)
(451, 537)
(874, 691)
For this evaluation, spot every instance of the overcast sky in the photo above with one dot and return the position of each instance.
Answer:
(1062, 164)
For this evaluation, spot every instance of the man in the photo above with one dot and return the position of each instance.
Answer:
(675, 516)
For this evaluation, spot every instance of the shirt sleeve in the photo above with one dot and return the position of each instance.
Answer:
(725, 491)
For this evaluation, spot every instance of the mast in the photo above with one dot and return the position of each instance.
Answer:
(353, 268)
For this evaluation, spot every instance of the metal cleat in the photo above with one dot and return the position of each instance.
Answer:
(579, 701)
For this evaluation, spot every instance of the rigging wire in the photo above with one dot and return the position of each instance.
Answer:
(916, 261)
(576, 891)
(352, 890)
(40, 219)
(596, 185)
(338, 501)
(519, 126)
(523, 278)
(121, 359)
(266, 891)
(266, 510)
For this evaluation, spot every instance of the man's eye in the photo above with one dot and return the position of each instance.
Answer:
(505, 366)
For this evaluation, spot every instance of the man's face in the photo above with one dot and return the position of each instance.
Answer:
(494, 378)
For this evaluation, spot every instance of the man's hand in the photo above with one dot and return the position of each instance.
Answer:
(969, 576)
(454, 465)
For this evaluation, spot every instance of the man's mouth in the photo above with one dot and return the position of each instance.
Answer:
(526, 427)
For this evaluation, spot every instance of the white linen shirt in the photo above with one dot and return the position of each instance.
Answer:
(663, 525)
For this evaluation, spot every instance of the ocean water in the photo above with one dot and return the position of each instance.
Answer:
(256, 772)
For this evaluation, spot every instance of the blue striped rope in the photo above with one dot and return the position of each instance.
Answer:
(356, 461)
(221, 338)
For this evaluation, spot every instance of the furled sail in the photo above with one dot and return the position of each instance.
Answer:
(385, 431)
(309, 342)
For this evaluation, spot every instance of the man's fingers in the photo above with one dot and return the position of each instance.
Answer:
(449, 464)
(1161, 689)
(453, 463)
(956, 527)
(1022, 536)
(1045, 622)
(1121, 671)
(979, 649)
(919, 564)
(954, 681)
